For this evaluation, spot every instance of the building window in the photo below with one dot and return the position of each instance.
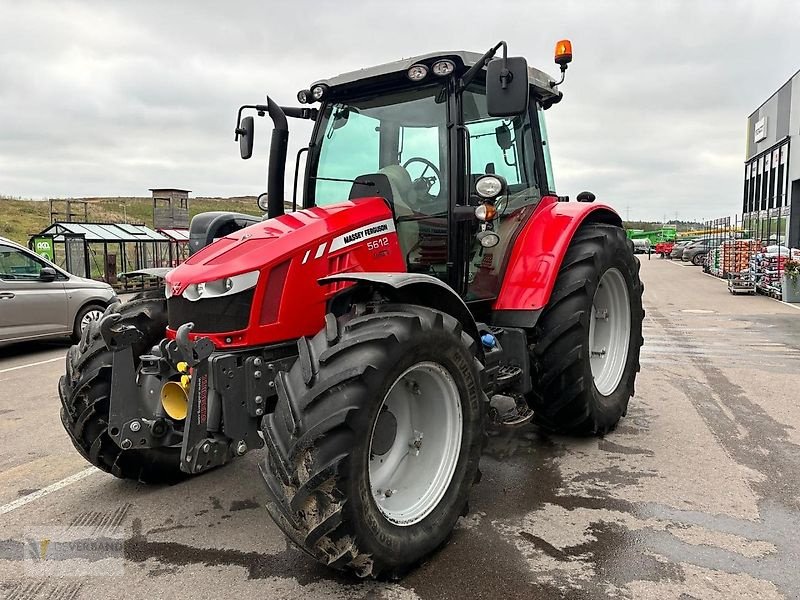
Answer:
(783, 179)
(769, 169)
(759, 165)
(745, 197)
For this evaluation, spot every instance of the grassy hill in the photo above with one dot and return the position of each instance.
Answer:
(19, 219)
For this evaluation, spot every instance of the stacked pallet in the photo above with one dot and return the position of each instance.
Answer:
(736, 255)
(767, 268)
(714, 262)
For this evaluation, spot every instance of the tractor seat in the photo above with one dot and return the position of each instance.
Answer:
(402, 189)
(404, 197)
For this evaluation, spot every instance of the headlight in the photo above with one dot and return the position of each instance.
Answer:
(443, 67)
(417, 72)
(488, 239)
(221, 287)
(489, 186)
(304, 97)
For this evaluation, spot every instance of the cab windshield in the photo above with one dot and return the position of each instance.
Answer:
(402, 135)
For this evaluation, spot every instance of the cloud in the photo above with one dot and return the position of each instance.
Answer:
(103, 98)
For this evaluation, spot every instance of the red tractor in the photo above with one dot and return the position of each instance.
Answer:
(432, 285)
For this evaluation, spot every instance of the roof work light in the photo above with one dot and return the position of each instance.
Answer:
(417, 72)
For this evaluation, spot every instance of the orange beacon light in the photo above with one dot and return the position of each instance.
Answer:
(563, 54)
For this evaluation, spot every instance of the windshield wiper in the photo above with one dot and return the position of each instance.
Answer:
(360, 182)
(420, 217)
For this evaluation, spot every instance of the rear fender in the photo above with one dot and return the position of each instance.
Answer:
(537, 256)
(416, 288)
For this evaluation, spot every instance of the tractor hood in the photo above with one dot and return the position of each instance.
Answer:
(279, 262)
(264, 244)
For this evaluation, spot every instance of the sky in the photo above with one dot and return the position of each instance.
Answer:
(113, 98)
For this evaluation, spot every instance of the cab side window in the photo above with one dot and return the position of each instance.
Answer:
(493, 148)
(15, 264)
(501, 146)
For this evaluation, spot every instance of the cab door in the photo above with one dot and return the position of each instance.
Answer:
(507, 147)
(29, 306)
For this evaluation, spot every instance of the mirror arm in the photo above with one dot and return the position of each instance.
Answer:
(300, 113)
(505, 74)
(467, 78)
(260, 108)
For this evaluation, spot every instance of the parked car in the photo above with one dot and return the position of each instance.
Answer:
(641, 246)
(677, 249)
(40, 300)
(696, 252)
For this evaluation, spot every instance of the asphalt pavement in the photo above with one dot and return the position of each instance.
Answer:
(696, 494)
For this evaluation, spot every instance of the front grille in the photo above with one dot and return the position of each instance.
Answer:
(211, 315)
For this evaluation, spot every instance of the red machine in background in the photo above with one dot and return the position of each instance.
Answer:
(664, 248)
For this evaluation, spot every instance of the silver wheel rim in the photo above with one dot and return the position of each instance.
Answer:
(609, 331)
(89, 317)
(415, 443)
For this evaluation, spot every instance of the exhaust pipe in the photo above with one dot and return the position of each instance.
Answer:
(277, 159)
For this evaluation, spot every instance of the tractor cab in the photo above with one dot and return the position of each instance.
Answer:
(454, 141)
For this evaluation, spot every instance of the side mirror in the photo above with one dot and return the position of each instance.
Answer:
(245, 132)
(503, 136)
(262, 202)
(47, 274)
(507, 87)
(340, 118)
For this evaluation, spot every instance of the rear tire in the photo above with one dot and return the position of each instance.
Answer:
(321, 439)
(85, 390)
(565, 396)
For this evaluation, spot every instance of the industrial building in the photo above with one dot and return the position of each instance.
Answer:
(771, 202)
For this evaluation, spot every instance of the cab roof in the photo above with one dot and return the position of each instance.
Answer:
(539, 80)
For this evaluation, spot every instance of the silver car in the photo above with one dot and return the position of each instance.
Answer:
(39, 300)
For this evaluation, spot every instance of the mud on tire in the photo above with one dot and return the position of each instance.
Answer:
(85, 391)
(564, 397)
(318, 438)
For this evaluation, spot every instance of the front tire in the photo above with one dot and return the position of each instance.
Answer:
(340, 415)
(85, 390)
(586, 344)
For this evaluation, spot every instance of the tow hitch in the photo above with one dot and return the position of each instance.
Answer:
(187, 394)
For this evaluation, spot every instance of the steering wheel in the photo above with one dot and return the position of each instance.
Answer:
(423, 185)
